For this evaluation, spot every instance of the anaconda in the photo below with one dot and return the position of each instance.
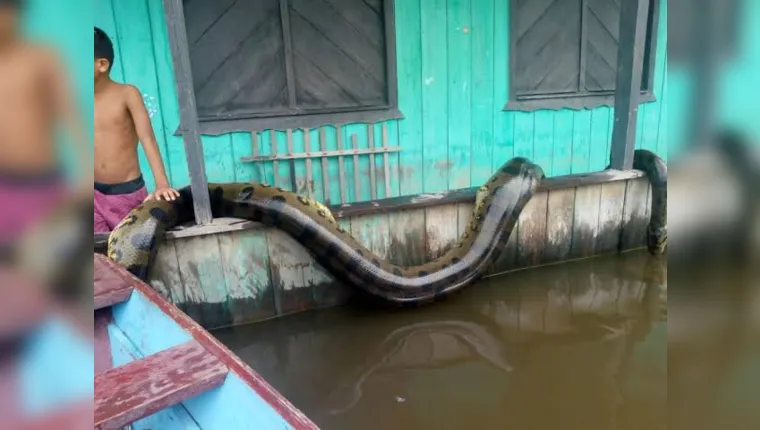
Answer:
(657, 172)
(133, 242)
(499, 202)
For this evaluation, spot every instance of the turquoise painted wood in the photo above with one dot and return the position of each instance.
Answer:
(453, 76)
(64, 25)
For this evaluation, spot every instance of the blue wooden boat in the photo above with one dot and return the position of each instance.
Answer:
(156, 368)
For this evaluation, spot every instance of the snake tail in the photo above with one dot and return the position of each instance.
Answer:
(657, 172)
(133, 242)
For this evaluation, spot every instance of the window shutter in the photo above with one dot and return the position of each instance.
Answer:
(339, 57)
(237, 56)
(547, 43)
(602, 30)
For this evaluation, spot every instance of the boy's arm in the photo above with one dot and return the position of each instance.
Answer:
(148, 139)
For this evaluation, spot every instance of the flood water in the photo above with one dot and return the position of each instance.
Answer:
(580, 345)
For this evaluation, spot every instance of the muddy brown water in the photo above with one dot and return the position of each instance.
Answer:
(580, 345)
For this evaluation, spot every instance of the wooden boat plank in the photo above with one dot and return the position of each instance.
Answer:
(110, 287)
(140, 388)
(124, 351)
(103, 360)
(192, 330)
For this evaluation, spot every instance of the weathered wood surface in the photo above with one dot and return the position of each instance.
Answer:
(559, 224)
(110, 288)
(390, 205)
(611, 204)
(102, 344)
(233, 363)
(262, 273)
(133, 391)
(531, 243)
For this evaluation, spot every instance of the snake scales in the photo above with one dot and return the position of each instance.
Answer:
(499, 203)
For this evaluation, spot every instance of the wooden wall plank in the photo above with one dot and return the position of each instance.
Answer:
(290, 271)
(245, 261)
(242, 143)
(635, 214)
(581, 136)
(372, 164)
(524, 127)
(562, 158)
(342, 180)
(600, 138)
(309, 181)
(434, 97)
(585, 220)
(503, 121)
(410, 82)
(389, 173)
(325, 171)
(407, 238)
(165, 276)
(459, 40)
(543, 140)
(299, 166)
(204, 280)
(610, 216)
(559, 224)
(440, 229)
(531, 244)
(482, 76)
(357, 180)
(372, 231)
(350, 163)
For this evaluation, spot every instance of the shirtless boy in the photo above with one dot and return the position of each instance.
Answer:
(120, 121)
(34, 97)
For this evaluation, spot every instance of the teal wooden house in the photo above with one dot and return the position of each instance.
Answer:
(391, 112)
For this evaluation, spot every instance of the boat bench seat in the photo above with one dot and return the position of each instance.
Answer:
(140, 388)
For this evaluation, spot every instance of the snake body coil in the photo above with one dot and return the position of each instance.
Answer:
(657, 172)
(498, 205)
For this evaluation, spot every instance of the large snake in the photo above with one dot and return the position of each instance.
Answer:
(499, 202)
(657, 172)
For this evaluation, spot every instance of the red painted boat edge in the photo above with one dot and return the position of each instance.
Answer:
(284, 408)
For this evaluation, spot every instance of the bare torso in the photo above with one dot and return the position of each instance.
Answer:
(27, 114)
(115, 136)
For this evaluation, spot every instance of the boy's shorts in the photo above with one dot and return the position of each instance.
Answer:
(113, 202)
(26, 199)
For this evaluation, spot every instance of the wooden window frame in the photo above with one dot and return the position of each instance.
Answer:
(581, 99)
(303, 119)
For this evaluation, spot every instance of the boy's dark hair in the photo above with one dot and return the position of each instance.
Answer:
(103, 46)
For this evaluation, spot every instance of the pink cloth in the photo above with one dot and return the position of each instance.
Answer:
(24, 204)
(110, 209)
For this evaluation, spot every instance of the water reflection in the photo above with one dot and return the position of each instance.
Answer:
(573, 346)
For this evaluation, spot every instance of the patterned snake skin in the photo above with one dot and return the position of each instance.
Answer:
(499, 203)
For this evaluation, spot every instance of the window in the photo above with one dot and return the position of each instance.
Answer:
(563, 53)
(290, 63)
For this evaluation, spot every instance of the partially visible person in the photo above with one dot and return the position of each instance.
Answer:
(34, 98)
(120, 121)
